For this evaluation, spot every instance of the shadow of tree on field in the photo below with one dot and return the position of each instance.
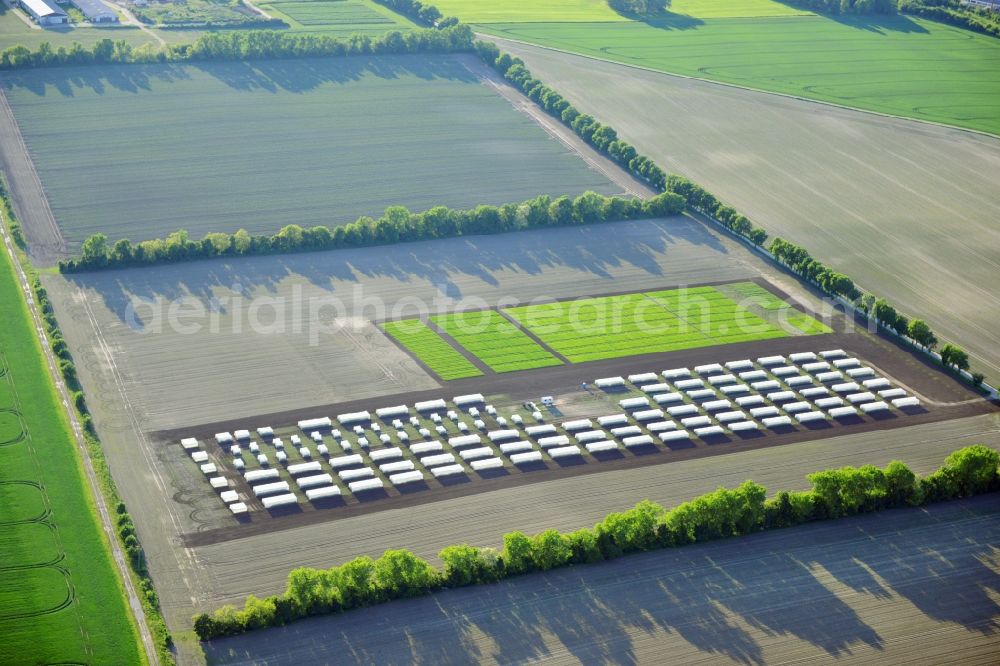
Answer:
(596, 250)
(697, 597)
(881, 24)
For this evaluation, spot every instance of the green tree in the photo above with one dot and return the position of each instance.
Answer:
(516, 553)
(400, 573)
(953, 355)
(549, 550)
(94, 251)
(921, 332)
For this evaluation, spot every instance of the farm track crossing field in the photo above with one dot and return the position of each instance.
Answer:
(145, 150)
(60, 600)
(897, 65)
(632, 324)
(431, 349)
(496, 341)
(908, 210)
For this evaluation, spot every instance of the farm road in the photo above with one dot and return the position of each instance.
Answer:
(914, 585)
(907, 209)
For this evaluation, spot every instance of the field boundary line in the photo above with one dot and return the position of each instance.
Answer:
(883, 114)
(469, 356)
(125, 574)
(531, 334)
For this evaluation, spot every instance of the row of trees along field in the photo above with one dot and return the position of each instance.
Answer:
(639, 7)
(397, 225)
(953, 12)
(421, 12)
(397, 574)
(243, 45)
(846, 6)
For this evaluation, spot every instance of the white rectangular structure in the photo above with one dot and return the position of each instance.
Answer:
(218, 482)
(406, 477)
(266, 431)
(502, 435)
(906, 402)
(734, 389)
(801, 406)
(761, 412)
(589, 436)
(841, 412)
(769, 385)
(189, 443)
(354, 417)
(892, 393)
(776, 421)
(565, 451)
(229, 496)
(440, 459)
(468, 399)
(798, 380)
(846, 363)
(238, 508)
(486, 463)
(526, 457)
(750, 400)
(858, 398)
(395, 467)
(771, 360)
(686, 384)
(223, 438)
(701, 394)
(833, 353)
(385, 454)
(832, 401)
(708, 369)
(682, 410)
(626, 431)
(313, 424)
(242, 435)
(870, 407)
(580, 424)
(810, 416)
(743, 426)
(817, 366)
(638, 440)
(742, 364)
(602, 446)
(696, 421)
(876, 383)
(464, 440)
(674, 435)
(708, 431)
(781, 396)
(609, 382)
(473, 454)
(612, 420)
(346, 461)
(515, 447)
(828, 377)
(655, 388)
(753, 375)
(430, 405)
(540, 430)
(270, 488)
(668, 398)
(661, 426)
(846, 387)
(648, 415)
(199, 456)
(393, 412)
(814, 391)
(719, 380)
(549, 442)
(303, 468)
(314, 494)
(729, 417)
(802, 357)
(717, 405)
(314, 480)
(676, 373)
(359, 473)
(447, 470)
(279, 500)
(644, 378)
(425, 447)
(858, 373)
(634, 403)
(258, 475)
(366, 484)
(784, 371)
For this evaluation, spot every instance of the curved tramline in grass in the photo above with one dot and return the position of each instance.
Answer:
(431, 349)
(497, 342)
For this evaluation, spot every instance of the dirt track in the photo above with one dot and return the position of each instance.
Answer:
(915, 586)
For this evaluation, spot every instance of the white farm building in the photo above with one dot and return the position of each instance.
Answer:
(44, 12)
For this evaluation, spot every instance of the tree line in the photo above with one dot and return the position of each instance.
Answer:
(846, 7)
(396, 225)
(723, 513)
(639, 7)
(605, 139)
(953, 12)
(242, 45)
(421, 12)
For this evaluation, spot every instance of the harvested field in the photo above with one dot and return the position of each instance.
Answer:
(911, 585)
(308, 148)
(859, 191)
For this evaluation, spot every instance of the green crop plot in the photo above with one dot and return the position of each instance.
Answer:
(431, 349)
(338, 18)
(316, 142)
(60, 598)
(632, 324)
(898, 65)
(494, 340)
(751, 293)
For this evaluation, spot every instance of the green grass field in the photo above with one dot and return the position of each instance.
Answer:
(431, 349)
(60, 599)
(145, 150)
(891, 64)
(495, 341)
(642, 323)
